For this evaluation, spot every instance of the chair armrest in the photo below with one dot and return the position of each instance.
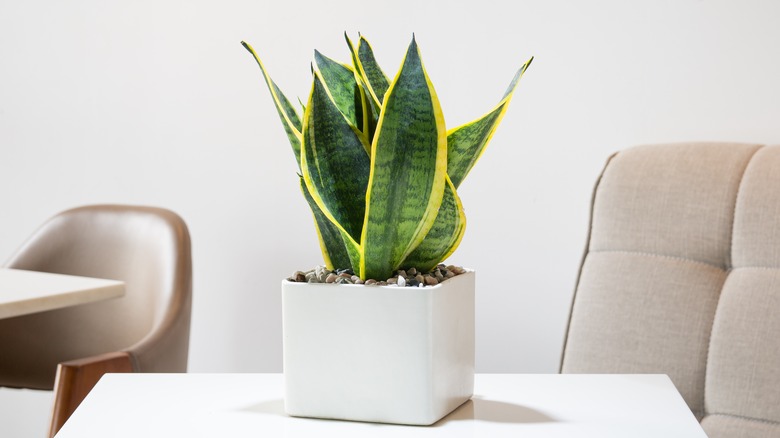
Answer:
(76, 378)
(165, 348)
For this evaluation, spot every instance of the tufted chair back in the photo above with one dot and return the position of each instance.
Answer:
(681, 276)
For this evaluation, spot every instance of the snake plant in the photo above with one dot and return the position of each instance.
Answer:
(377, 166)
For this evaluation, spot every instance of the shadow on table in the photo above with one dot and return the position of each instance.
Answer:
(273, 407)
(495, 412)
(474, 409)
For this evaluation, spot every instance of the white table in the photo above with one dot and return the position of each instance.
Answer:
(24, 292)
(504, 405)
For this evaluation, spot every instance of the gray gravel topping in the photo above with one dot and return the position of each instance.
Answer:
(401, 278)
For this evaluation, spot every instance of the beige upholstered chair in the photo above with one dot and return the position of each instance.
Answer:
(147, 330)
(682, 276)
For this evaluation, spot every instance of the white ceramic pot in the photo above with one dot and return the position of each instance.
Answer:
(383, 354)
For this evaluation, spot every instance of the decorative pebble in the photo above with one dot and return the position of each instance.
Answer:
(403, 278)
(456, 269)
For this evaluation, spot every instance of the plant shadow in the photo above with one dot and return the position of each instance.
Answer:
(273, 407)
(496, 412)
(475, 409)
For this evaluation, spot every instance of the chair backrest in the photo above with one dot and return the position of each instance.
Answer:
(147, 248)
(682, 276)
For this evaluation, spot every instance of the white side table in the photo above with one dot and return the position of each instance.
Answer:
(504, 405)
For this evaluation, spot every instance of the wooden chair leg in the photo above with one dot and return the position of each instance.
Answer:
(76, 378)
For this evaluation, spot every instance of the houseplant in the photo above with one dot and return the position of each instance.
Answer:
(380, 173)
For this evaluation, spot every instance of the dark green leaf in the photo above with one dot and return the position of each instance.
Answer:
(334, 162)
(408, 170)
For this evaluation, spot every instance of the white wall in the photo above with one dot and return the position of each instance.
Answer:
(156, 102)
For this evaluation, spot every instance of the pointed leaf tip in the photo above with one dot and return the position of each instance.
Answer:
(413, 45)
(528, 63)
(366, 66)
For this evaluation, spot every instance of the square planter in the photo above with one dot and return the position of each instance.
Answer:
(383, 354)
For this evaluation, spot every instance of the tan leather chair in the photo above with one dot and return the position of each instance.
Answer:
(147, 330)
(681, 276)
